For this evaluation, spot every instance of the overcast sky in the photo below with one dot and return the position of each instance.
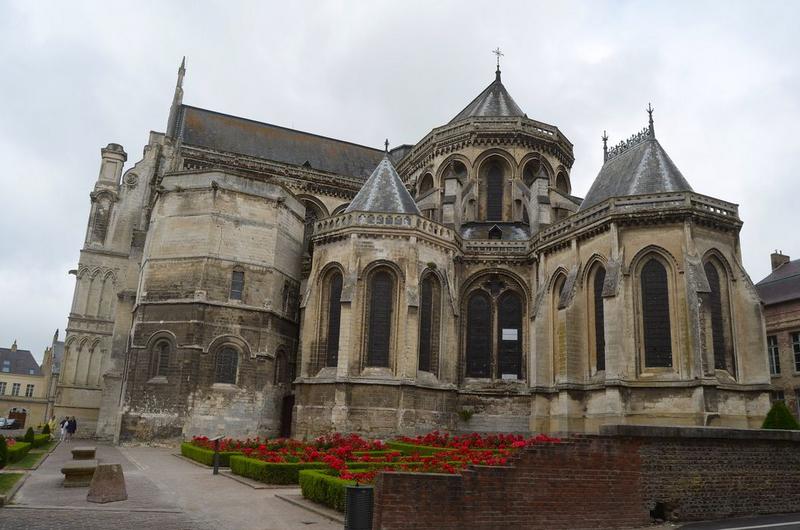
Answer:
(723, 77)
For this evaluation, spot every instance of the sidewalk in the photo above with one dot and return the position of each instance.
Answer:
(164, 492)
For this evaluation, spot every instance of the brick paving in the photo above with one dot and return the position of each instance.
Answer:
(164, 492)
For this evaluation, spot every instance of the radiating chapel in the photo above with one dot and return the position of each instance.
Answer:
(251, 279)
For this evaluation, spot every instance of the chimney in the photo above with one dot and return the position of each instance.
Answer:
(14, 346)
(777, 259)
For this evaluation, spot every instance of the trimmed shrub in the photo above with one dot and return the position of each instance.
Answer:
(206, 456)
(37, 441)
(375, 453)
(17, 451)
(29, 434)
(326, 489)
(780, 417)
(422, 450)
(46, 429)
(271, 472)
(3, 451)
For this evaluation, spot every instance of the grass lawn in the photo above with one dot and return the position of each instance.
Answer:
(7, 481)
(27, 462)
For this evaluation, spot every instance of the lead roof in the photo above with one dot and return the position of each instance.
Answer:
(493, 101)
(642, 169)
(384, 192)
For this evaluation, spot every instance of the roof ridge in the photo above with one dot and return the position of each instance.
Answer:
(283, 127)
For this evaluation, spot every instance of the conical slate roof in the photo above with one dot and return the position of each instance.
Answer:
(493, 101)
(641, 169)
(384, 192)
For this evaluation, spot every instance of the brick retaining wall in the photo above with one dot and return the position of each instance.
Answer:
(609, 481)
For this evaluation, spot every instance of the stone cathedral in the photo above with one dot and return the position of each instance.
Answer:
(244, 278)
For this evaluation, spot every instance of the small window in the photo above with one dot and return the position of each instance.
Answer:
(28, 390)
(227, 364)
(15, 389)
(237, 285)
(495, 232)
(774, 355)
(777, 395)
(31, 372)
(2, 388)
(160, 359)
(796, 348)
(6, 366)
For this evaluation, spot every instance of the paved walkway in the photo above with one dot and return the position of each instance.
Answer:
(164, 492)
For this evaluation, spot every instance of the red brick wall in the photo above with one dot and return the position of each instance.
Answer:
(605, 482)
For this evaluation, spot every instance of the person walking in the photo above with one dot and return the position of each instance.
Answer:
(63, 426)
(72, 426)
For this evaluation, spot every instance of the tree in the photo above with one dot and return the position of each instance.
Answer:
(46, 429)
(3, 451)
(779, 417)
(29, 436)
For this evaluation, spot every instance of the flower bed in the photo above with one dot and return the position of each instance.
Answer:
(206, 456)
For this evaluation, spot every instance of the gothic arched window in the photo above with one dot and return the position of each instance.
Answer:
(494, 192)
(226, 366)
(656, 330)
(159, 360)
(381, 298)
(597, 317)
(720, 342)
(429, 322)
(313, 214)
(479, 332)
(558, 325)
(425, 183)
(509, 335)
(334, 308)
(281, 367)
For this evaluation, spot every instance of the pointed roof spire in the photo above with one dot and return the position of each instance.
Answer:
(605, 146)
(384, 192)
(386, 146)
(651, 128)
(494, 101)
(177, 100)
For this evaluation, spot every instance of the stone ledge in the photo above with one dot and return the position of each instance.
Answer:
(656, 431)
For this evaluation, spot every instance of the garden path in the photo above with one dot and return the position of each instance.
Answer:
(164, 492)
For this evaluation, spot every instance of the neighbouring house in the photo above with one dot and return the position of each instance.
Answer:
(23, 392)
(780, 292)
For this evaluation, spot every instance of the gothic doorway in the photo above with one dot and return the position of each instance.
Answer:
(287, 406)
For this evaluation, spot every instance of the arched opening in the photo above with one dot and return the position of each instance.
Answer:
(718, 313)
(597, 338)
(312, 215)
(159, 358)
(492, 188)
(226, 365)
(429, 324)
(558, 327)
(380, 294)
(331, 321)
(425, 184)
(509, 336)
(479, 331)
(562, 183)
(281, 368)
(656, 328)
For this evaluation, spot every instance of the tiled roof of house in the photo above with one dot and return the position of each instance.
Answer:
(19, 362)
(782, 285)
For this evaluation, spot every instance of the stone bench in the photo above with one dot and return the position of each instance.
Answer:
(78, 473)
(83, 453)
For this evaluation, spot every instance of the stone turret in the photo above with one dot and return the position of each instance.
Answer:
(113, 160)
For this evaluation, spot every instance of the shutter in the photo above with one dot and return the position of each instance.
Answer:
(479, 332)
(599, 319)
(380, 319)
(494, 193)
(655, 315)
(425, 313)
(717, 325)
(334, 318)
(509, 340)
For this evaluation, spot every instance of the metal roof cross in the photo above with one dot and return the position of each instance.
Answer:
(499, 54)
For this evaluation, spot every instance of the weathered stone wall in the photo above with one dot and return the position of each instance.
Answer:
(619, 480)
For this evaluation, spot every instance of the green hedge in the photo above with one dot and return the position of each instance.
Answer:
(319, 486)
(38, 440)
(271, 472)
(206, 456)
(422, 450)
(780, 417)
(375, 453)
(17, 451)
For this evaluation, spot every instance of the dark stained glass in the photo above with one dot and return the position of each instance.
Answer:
(599, 319)
(226, 365)
(494, 193)
(163, 358)
(425, 327)
(237, 285)
(381, 290)
(655, 315)
(479, 333)
(334, 318)
(509, 330)
(717, 324)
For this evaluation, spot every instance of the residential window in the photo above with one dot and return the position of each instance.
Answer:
(796, 348)
(6, 366)
(28, 390)
(777, 395)
(31, 371)
(237, 285)
(15, 389)
(774, 355)
(2, 388)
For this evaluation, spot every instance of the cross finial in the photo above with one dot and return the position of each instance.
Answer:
(499, 54)
(651, 128)
(605, 146)
(386, 146)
